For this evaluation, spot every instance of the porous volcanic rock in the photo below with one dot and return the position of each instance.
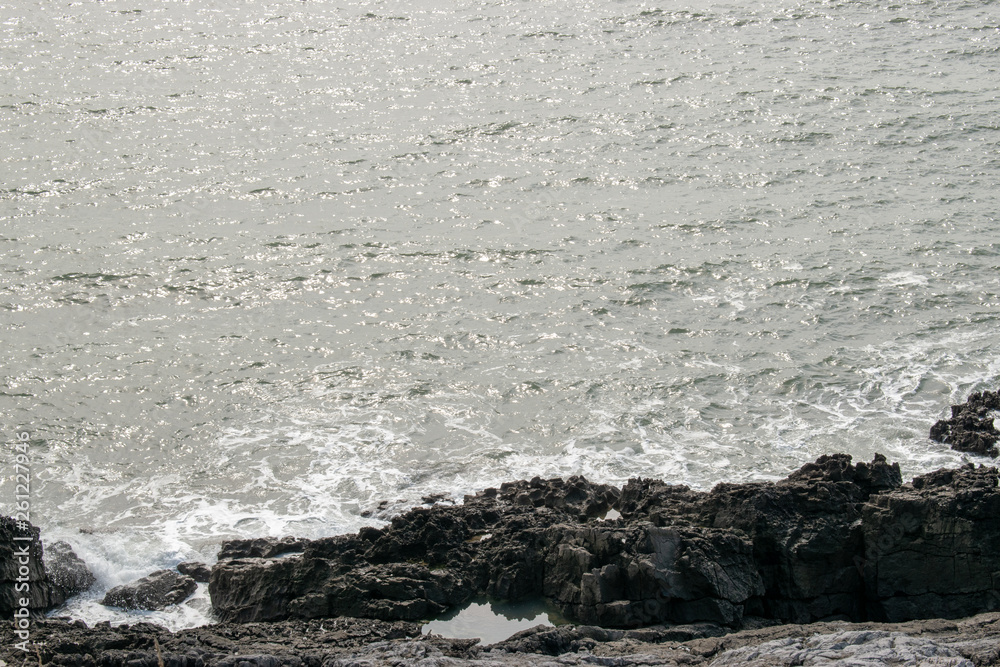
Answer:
(970, 427)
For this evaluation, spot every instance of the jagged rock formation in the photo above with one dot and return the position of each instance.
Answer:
(970, 428)
(811, 547)
(426, 561)
(684, 569)
(803, 531)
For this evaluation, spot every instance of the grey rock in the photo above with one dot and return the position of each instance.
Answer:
(850, 649)
(350, 641)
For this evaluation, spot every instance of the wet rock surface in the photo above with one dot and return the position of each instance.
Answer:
(197, 571)
(834, 540)
(154, 591)
(970, 427)
(425, 562)
(67, 570)
(366, 642)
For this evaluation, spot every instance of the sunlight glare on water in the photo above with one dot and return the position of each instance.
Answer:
(266, 266)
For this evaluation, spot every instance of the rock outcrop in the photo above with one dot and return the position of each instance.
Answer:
(854, 647)
(803, 531)
(737, 575)
(970, 427)
(22, 570)
(423, 563)
(196, 570)
(67, 570)
(154, 591)
(932, 547)
(808, 548)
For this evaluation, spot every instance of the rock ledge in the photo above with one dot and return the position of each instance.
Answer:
(833, 541)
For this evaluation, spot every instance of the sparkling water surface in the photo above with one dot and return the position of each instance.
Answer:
(265, 265)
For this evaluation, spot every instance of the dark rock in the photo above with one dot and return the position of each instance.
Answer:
(970, 427)
(197, 571)
(67, 570)
(262, 547)
(804, 531)
(644, 575)
(155, 591)
(832, 541)
(933, 546)
(22, 571)
(423, 563)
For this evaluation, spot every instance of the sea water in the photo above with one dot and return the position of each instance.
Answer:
(266, 265)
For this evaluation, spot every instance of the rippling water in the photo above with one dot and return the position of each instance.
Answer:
(265, 265)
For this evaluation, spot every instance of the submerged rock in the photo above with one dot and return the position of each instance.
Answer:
(155, 591)
(970, 427)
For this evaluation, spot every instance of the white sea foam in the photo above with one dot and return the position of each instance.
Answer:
(905, 279)
(193, 612)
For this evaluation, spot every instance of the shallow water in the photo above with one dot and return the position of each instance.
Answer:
(264, 267)
(492, 621)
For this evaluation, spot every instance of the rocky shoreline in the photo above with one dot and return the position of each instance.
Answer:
(833, 541)
(351, 642)
(840, 561)
(836, 559)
